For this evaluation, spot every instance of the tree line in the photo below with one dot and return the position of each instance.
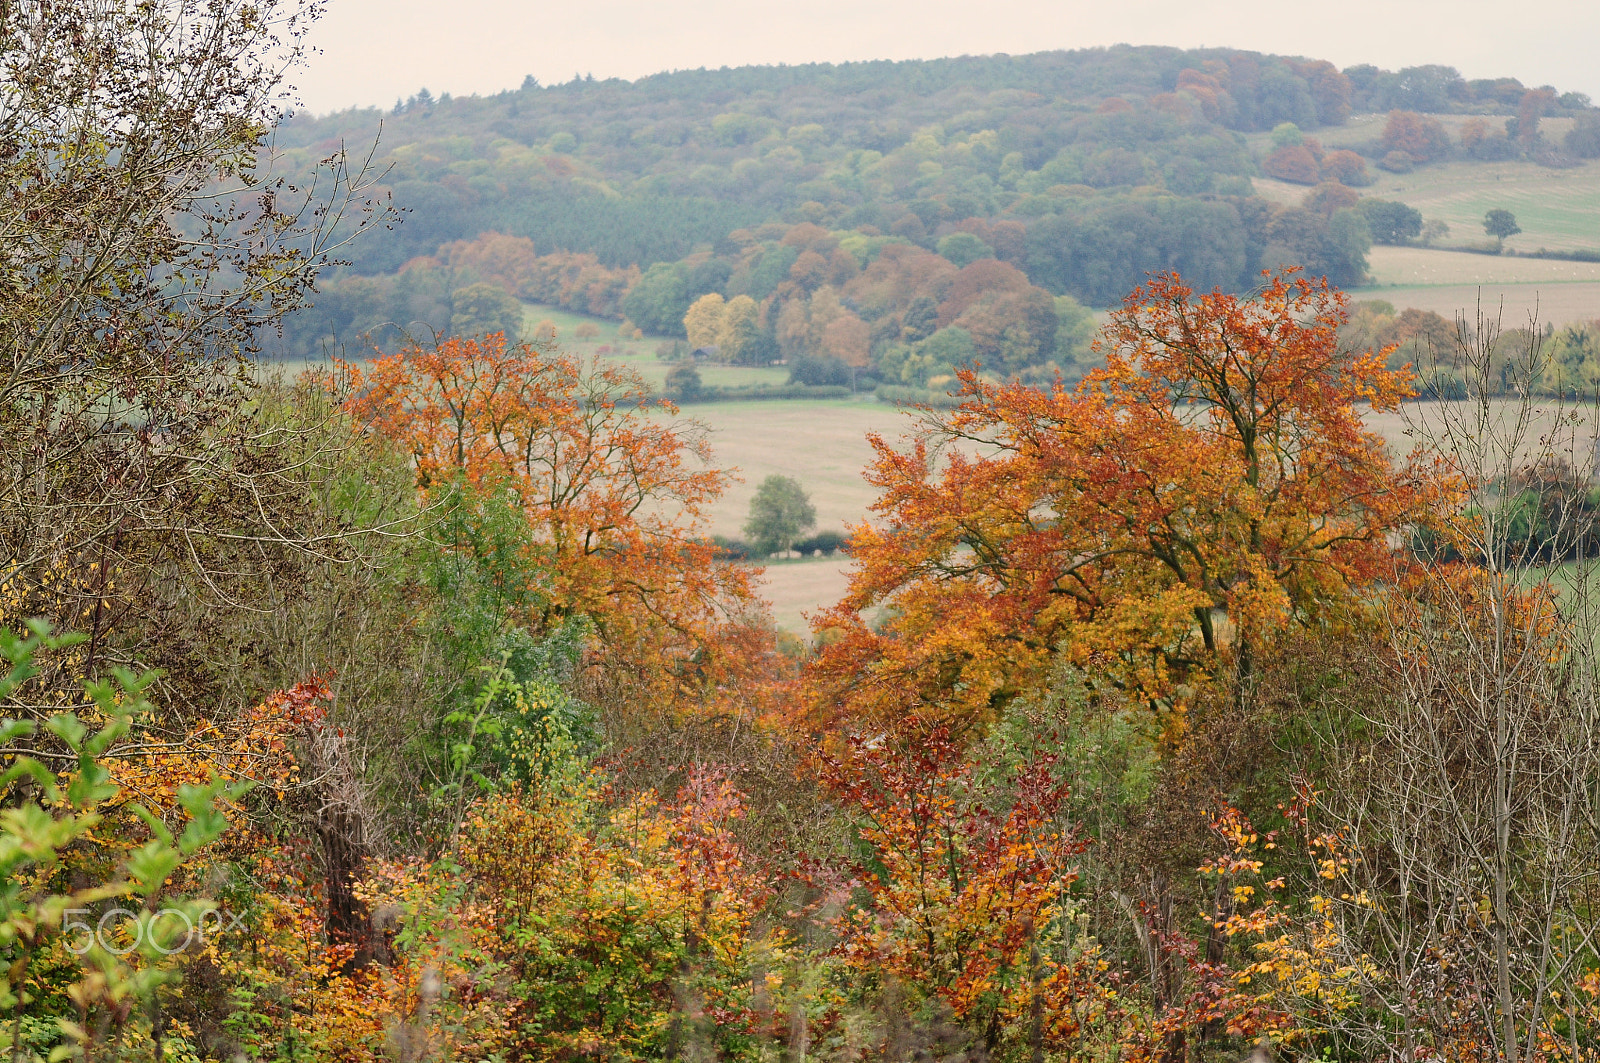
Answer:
(644, 172)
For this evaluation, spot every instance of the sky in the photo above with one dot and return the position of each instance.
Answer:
(371, 52)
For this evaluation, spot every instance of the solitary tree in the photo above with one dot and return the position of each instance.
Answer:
(779, 513)
(684, 383)
(1500, 224)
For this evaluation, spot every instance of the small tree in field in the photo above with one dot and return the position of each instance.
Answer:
(779, 513)
(1500, 224)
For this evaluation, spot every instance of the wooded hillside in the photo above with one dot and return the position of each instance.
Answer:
(1084, 170)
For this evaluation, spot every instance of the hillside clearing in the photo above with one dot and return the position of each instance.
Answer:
(1556, 208)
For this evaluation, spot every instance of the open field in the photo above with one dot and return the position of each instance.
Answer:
(1567, 429)
(567, 323)
(821, 444)
(1450, 282)
(640, 354)
(1558, 304)
(1556, 208)
(1407, 266)
(798, 588)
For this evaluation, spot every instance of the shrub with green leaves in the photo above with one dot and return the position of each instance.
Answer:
(72, 857)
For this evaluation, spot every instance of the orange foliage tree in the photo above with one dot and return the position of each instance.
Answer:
(969, 906)
(1213, 483)
(1419, 136)
(614, 484)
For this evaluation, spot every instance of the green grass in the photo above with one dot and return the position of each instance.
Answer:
(567, 323)
(640, 354)
(1555, 208)
(1558, 210)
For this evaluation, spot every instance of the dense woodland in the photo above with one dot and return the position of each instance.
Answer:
(403, 710)
(851, 197)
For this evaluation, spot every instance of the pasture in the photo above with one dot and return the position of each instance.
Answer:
(1555, 208)
(1452, 282)
(1557, 304)
(1411, 266)
(821, 444)
(640, 354)
(798, 589)
(1512, 288)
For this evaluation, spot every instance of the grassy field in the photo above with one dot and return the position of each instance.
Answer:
(1556, 208)
(824, 446)
(797, 590)
(1448, 282)
(1558, 304)
(1411, 266)
(1566, 430)
(821, 444)
(641, 354)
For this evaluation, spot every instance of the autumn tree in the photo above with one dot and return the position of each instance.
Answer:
(1533, 106)
(1294, 164)
(482, 309)
(848, 339)
(704, 321)
(967, 900)
(1501, 223)
(605, 477)
(1346, 167)
(739, 328)
(1212, 484)
(1418, 136)
(1390, 222)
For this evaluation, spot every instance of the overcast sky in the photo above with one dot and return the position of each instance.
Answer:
(372, 51)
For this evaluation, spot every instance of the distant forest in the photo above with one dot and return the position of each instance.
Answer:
(1036, 179)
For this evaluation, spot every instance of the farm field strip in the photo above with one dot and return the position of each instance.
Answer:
(1557, 209)
(1557, 304)
(1411, 266)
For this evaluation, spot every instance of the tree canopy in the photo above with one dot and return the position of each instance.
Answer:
(780, 513)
